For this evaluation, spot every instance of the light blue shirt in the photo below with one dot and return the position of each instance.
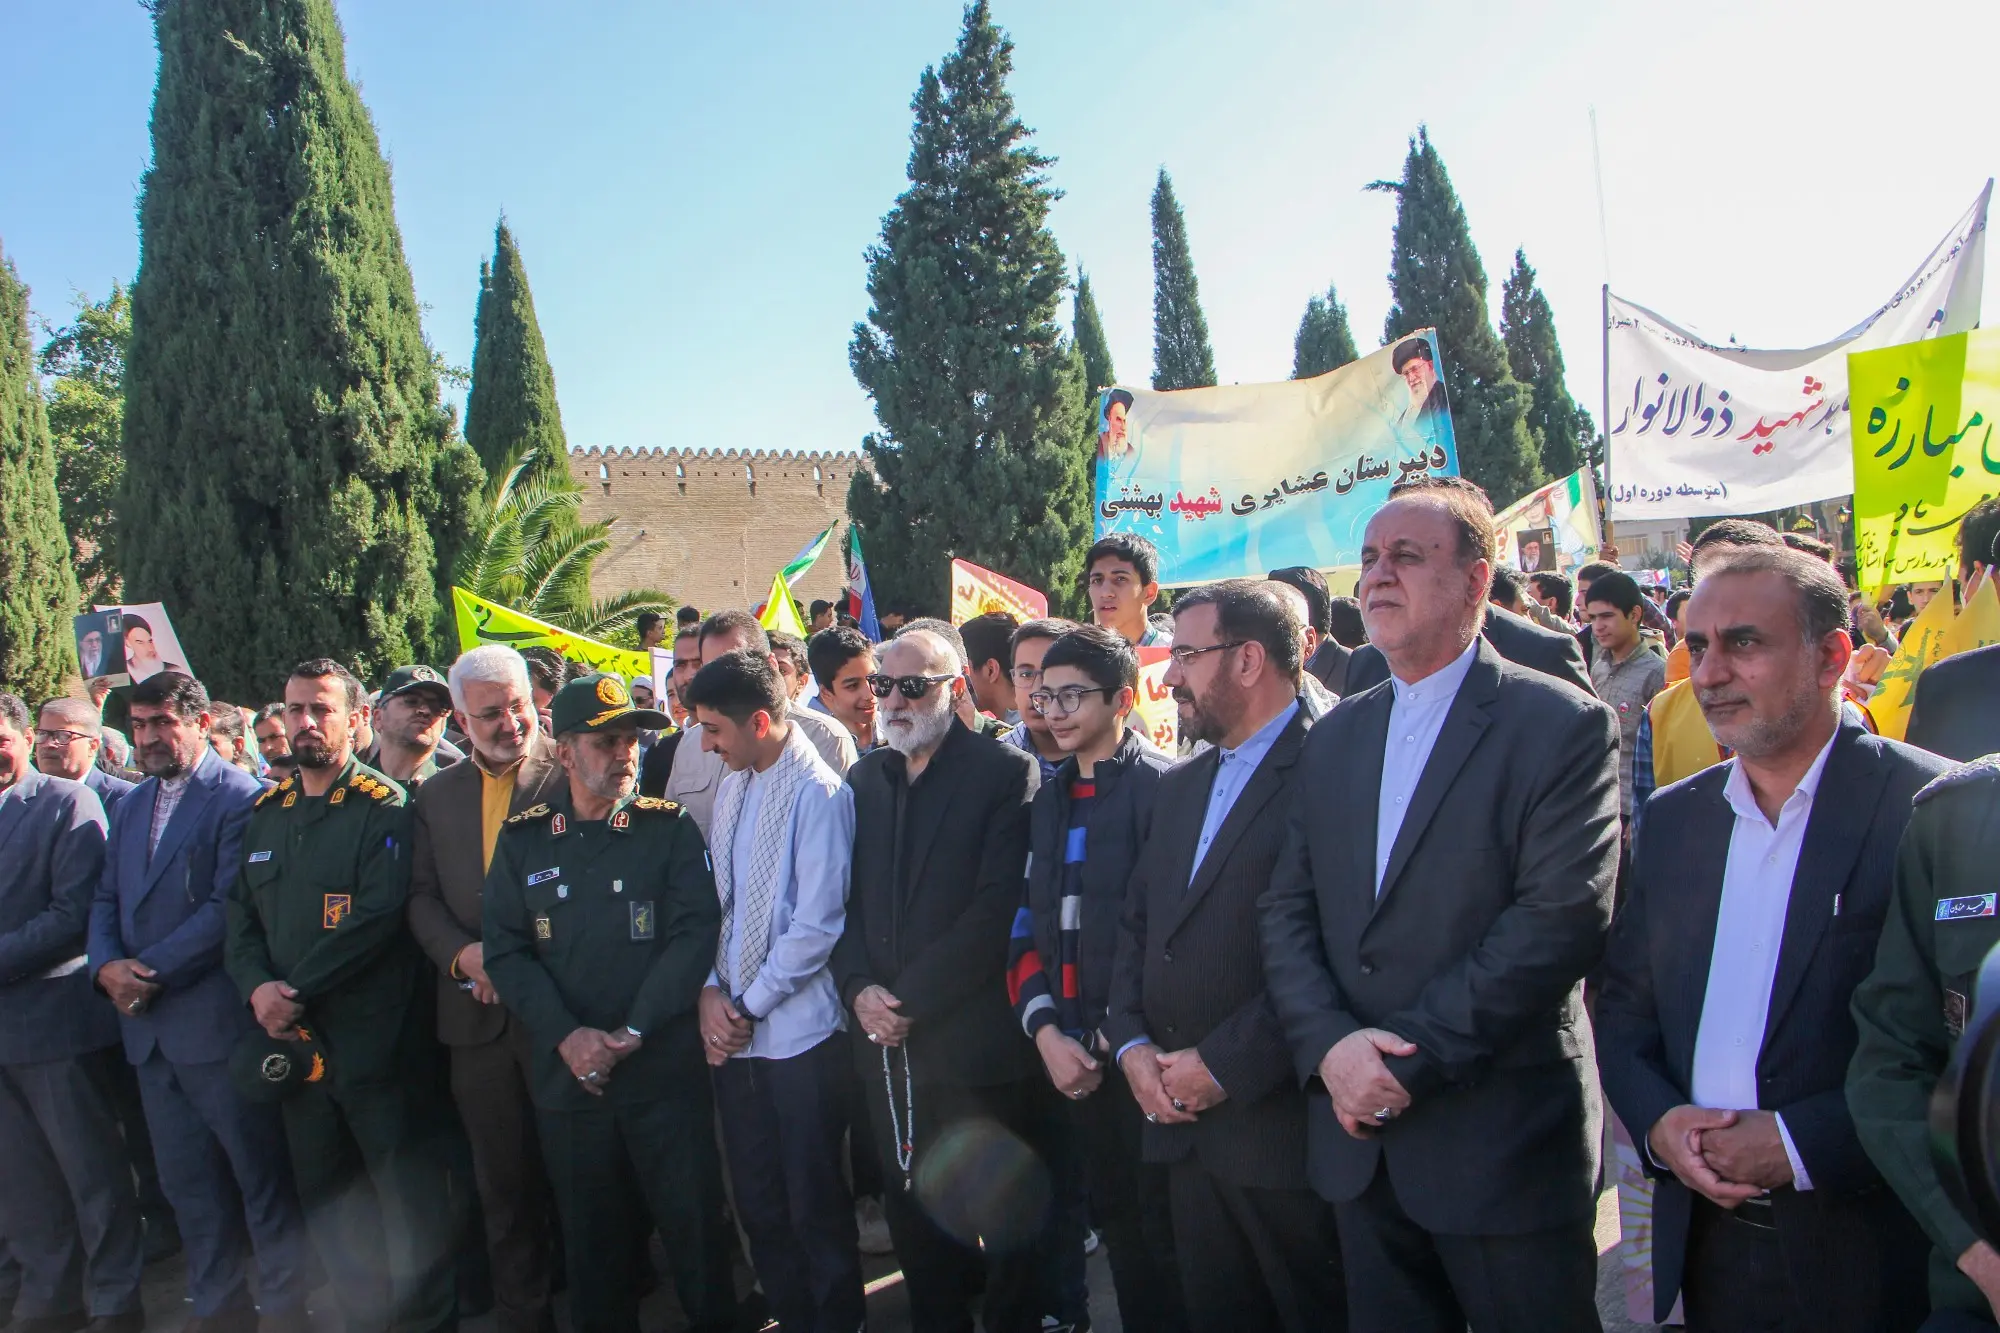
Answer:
(1232, 775)
(794, 992)
(1415, 719)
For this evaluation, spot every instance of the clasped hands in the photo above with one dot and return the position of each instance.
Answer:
(592, 1054)
(1360, 1085)
(129, 983)
(725, 1031)
(1725, 1156)
(875, 1009)
(1171, 1087)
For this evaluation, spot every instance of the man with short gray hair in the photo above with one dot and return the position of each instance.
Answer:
(458, 817)
(69, 738)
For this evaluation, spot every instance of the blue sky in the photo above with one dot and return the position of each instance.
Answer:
(693, 186)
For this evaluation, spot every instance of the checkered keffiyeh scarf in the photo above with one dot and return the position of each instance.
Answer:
(758, 881)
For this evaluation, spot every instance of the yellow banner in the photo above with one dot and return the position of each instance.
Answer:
(976, 591)
(1154, 710)
(780, 611)
(1923, 418)
(481, 621)
(1923, 644)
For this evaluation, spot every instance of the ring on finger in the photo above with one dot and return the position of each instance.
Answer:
(1179, 1105)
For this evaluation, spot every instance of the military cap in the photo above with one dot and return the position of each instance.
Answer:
(268, 1069)
(597, 701)
(409, 679)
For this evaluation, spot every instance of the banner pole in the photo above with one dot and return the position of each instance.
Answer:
(1610, 536)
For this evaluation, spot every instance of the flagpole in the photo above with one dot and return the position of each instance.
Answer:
(1604, 330)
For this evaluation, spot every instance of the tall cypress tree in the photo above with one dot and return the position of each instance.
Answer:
(1438, 282)
(512, 410)
(981, 450)
(1092, 345)
(37, 586)
(1182, 358)
(1324, 341)
(1562, 430)
(292, 488)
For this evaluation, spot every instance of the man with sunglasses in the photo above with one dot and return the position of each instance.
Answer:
(1086, 829)
(940, 844)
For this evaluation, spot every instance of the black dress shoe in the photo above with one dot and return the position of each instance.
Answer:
(50, 1323)
(132, 1321)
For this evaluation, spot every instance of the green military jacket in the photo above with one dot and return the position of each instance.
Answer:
(319, 905)
(1913, 1007)
(604, 924)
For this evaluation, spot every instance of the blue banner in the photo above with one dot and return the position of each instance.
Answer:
(1234, 481)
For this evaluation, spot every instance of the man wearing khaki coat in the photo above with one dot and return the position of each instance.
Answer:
(458, 816)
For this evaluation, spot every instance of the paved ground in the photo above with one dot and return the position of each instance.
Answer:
(887, 1310)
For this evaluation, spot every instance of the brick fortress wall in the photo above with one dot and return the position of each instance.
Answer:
(712, 527)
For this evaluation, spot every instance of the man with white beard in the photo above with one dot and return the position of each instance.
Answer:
(940, 847)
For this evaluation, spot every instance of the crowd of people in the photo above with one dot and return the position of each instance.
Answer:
(455, 994)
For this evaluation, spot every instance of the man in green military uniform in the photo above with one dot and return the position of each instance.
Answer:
(600, 928)
(1912, 1011)
(409, 719)
(317, 943)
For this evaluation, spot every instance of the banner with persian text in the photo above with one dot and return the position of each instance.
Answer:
(1240, 479)
(1552, 529)
(1153, 708)
(481, 621)
(1923, 452)
(976, 591)
(1701, 429)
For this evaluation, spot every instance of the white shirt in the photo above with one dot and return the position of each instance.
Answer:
(1749, 927)
(1415, 719)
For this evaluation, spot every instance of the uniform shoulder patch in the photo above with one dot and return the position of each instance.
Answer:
(531, 814)
(655, 803)
(267, 794)
(374, 785)
(1984, 772)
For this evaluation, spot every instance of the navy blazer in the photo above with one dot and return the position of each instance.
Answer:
(1841, 1237)
(168, 910)
(110, 788)
(51, 850)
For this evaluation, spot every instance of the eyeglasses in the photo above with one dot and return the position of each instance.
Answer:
(58, 737)
(1184, 655)
(1063, 702)
(913, 687)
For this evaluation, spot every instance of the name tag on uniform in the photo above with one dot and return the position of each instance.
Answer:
(1961, 909)
(255, 857)
(542, 928)
(642, 920)
(540, 875)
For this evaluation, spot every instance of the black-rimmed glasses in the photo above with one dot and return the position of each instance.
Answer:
(1063, 702)
(913, 687)
(1184, 654)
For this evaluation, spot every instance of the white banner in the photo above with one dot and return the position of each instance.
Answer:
(1700, 430)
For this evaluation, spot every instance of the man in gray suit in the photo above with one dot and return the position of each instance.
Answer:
(69, 736)
(67, 1210)
(156, 932)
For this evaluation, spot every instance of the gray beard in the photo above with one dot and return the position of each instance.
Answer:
(925, 732)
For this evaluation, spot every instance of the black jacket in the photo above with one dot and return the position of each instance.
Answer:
(1190, 970)
(1495, 902)
(1957, 709)
(1516, 638)
(1329, 664)
(1119, 820)
(1852, 1251)
(937, 880)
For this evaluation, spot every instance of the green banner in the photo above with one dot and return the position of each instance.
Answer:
(1923, 417)
(481, 621)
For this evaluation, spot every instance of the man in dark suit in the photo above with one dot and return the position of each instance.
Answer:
(1757, 893)
(1189, 1018)
(1326, 657)
(69, 734)
(940, 848)
(1515, 638)
(67, 1210)
(1445, 886)
(459, 813)
(156, 931)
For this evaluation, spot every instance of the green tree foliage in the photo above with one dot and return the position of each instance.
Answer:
(1437, 281)
(1562, 430)
(512, 408)
(1181, 355)
(37, 586)
(1324, 342)
(1092, 345)
(85, 367)
(531, 551)
(292, 486)
(981, 452)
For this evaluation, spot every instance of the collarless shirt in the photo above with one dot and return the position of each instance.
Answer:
(1416, 716)
(1749, 927)
(167, 799)
(1232, 774)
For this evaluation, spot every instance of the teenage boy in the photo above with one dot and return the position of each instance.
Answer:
(1087, 826)
(1031, 733)
(841, 660)
(1121, 573)
(1625, 673)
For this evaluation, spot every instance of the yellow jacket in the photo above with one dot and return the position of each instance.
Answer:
(1682, 743)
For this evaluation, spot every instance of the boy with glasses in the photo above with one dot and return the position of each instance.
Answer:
(1085, 831)
(1031, 734)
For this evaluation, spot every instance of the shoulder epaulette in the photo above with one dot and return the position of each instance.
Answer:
(655, 803)
(269, 792)
(1977, 773)
(373, 787)
(532, 813)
